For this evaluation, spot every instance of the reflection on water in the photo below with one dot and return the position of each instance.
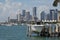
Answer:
(44, 38)
(19, 33)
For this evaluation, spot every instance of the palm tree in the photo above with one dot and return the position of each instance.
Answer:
(55, 3)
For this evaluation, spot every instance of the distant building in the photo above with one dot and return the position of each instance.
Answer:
(18, 17)
(13, 20)
(21, 18)
(8, 19)
(53, 14)
(43, 15)
(27, 16)
(35, 13)
(48, 17)
(23, 13)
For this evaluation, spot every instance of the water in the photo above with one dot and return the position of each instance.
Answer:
(19, 33)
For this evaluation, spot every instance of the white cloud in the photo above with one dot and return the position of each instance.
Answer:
(9, 9)
(43, 8)
(16, 5)
(18, 11)
(1, 5)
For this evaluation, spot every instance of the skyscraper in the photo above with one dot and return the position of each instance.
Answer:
(43, 15)
(18, 17)
(48, 16)
(53, 14)
(8, 19)
(56, 14)
(34, 11)
(23, 12)
(27, 16)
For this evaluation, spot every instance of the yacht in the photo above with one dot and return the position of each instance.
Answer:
(37, 28)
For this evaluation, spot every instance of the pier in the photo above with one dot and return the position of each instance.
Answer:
(48, 30)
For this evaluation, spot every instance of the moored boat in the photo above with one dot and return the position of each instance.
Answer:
(37, 28)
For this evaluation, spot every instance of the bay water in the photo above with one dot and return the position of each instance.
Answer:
(19, 33)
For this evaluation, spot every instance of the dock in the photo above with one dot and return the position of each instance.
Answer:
(47, 31)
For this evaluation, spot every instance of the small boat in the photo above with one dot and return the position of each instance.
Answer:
(37, 28)
(8, 25)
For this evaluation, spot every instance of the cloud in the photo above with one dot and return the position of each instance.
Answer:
(1, 8)
(43, 8)
(1, 5)
(9, 9)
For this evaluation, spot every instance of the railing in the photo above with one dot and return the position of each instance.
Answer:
(50, 21)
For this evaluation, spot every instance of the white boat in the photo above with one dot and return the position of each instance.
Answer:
(8, 24)
(14, 24)
(37, 28)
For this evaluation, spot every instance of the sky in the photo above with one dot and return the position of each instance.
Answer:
(10, 8)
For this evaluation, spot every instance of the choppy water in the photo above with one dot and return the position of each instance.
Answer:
(19, 33)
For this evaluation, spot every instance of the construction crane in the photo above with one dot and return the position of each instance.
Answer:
(55, 3)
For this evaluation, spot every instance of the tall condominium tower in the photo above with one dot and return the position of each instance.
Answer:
(8, 19)
(34, 11)
(23, 12)
(43, 15)
(48, 16)
(53, 14)
(18, 17)
(27, 16)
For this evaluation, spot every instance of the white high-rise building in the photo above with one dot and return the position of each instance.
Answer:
(18, 17)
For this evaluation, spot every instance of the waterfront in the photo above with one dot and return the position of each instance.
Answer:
(19, 33)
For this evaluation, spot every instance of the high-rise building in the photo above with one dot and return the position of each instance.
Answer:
(53, 14)
(21, 18)
(48, 17)
(23, 12)
(34, 11)
(18, 17)
(43, 15)
(8, 19)
(27, 16)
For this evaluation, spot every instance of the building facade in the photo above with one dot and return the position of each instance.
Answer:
(43, 15)
(27, 16)
(23, 13)
(53, 14)
(48, 17)
(35, 13)
(18, 17)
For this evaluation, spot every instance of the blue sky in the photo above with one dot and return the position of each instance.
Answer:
(12, 7)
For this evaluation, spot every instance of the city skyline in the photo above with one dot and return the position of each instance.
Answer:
(52, 15)
(11, 7)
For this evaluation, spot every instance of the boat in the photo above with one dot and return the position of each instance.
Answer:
(37, 28)
(8, 24)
